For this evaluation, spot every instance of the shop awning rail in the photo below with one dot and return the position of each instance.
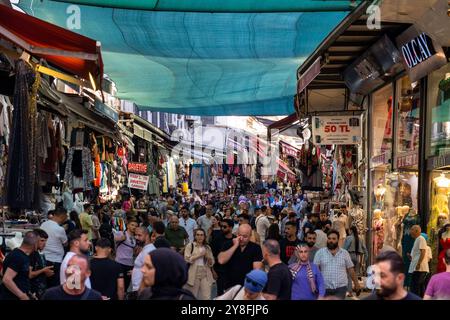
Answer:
(61, 48)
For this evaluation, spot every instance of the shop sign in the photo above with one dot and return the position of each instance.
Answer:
(438, 162)
(288, 150)
(136, 181)
(281, 174)
(380, 160)
(291, 177)
(106, 111)
(365, 73)
(421, 54)
(407, 160)
(309, 75)
(137, 167)
(339, 130)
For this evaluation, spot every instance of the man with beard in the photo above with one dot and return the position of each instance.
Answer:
(188, 223)
(143, 240)
(334, 263)
(79, 245)
(310, 241)
(390, 276)
(289, 242)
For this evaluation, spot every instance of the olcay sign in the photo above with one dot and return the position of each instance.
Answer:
(421, 54)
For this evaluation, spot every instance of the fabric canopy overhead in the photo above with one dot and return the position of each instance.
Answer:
(222, 5)
(202, 63)
(63, 49)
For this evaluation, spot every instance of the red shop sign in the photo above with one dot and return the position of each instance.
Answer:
(137, 167)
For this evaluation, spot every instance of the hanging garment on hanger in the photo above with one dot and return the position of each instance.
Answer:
(4, 118)
(20, 168)
(79, 165)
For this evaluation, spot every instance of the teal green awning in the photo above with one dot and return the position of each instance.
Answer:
(202, 63)
(222, 5)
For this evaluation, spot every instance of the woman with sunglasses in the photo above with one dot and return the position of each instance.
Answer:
(199, 256)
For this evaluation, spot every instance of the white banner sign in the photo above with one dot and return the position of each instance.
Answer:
(336, 130)
(136, 181)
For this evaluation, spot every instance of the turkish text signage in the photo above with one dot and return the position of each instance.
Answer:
(136, 181)
(421, 55)
(339, 130)
(137, 167)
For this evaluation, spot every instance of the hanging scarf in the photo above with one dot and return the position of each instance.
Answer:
(296, 268)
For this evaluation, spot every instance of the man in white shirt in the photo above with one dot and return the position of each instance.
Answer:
(262, 223)
(142, 237)
(79, 245)
(57, 239)
(205, 221)
(188, 223)
(419, 263)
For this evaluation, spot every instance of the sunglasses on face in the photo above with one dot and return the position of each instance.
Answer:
(224, 227)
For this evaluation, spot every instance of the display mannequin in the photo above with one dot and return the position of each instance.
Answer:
(358, 216)
(339, 223)
(440, 202)
(378, 227)
(400, 215)
(444, 244)
(380, 192)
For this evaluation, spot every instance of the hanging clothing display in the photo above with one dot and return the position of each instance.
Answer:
(196, 177)
(79, 167)
(21, 172)
(5, 107)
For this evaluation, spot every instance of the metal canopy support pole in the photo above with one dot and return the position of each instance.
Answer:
(423, 191)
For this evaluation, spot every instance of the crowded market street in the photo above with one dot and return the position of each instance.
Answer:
(224, 150)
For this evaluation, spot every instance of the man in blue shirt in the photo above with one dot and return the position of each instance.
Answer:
(308, 283)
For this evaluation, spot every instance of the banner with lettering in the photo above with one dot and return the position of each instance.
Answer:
(136, 181)
(339, 130)
(137, 167)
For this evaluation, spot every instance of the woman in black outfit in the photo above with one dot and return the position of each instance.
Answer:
(73, 222)
(165, 272)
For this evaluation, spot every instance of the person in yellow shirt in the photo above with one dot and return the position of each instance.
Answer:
(86, 220)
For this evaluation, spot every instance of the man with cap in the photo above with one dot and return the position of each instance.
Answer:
(254, 283)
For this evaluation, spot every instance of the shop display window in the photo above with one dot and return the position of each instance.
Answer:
(382, 109)
(439, 216)
(407, 124)
(439, 101)
(394, 211)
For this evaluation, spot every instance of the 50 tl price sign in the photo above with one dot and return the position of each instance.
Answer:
(337, 130)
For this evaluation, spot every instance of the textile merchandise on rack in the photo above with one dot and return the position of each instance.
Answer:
(222, 178)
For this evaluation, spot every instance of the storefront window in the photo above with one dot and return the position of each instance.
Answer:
(408, 125)
(438, 149)
(439, 102)
(394, 192)
(382, 124)
(440, 210)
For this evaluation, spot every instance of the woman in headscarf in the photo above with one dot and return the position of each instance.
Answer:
(164, 274)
